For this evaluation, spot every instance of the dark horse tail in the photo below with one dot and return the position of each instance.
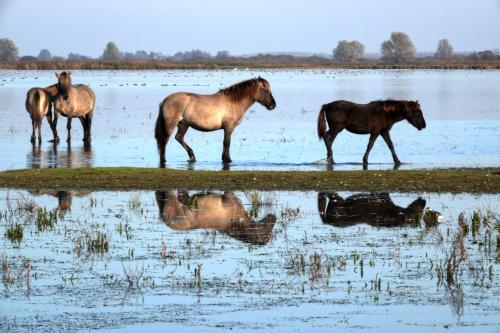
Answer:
(322, 122)
(160, 129)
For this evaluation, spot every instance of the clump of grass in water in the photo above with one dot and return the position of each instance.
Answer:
(46, 220)
(257, 202)
(99, 244)
(15, 233)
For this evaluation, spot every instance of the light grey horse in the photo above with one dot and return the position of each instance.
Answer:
(74, 101)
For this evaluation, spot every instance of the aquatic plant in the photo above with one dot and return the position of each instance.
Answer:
(14, 233)
(46, 220)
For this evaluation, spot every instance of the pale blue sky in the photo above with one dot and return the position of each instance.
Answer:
(244, 26)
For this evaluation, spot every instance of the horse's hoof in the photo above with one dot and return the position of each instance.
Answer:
(192, 160)
(32, 140)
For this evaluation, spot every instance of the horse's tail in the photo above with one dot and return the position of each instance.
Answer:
(160, 129)
(322, 122)
(37, 105)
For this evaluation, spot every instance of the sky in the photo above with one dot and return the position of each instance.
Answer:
(244, 26)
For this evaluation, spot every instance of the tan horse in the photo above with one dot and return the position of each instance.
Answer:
(222, 110)
(74, 101)
(224, 213)
(39, 105)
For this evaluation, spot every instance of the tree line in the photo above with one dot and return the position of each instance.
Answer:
(398, 49)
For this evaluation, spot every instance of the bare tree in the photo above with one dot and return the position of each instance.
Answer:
(348, 51)
(111, 52)
(444, 50)
(44, 55)
(398, 49)
(222, 55)
(8, 50)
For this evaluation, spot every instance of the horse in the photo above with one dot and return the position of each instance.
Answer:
(375, 118)
(222, 110)
(221, 212)
(39, 105)
(375, 209)
(74, 101)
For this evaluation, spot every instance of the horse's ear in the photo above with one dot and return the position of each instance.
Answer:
(57, 75)
(69, 73)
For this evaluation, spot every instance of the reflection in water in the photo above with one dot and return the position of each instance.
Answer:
(64, 198)
(60, 158)
(221, 212)
(376, 209)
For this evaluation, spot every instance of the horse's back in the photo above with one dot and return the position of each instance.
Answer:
(37, 102)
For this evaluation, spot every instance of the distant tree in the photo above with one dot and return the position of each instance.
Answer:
(444, 50)
(192, 55)
(77, 56)
(398, 49)
(28, 58)
(128, 55)
(348, 51)
(44, 55)
(155, 55)
(111, 52)
(141, 55)
(487, 55)
(8, 50)
(222, 55)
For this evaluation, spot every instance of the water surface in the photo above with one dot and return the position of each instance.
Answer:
(254, 261)
(461, 109)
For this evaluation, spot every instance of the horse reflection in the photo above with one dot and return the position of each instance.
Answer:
(64, 158)
(221, 212)
(375, 209)
(64, 198)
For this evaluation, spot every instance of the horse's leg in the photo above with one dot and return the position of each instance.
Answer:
(68, 127)
(83, 121)
(33, 126)
(163, 131)
(373, 137)
(328, 138)
(182, 128)
(53, 125)
(226, 158)
(39, 124)
(88, 117)
(388, 140)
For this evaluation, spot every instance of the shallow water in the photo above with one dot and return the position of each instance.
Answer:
(255, 261)
(461, 109)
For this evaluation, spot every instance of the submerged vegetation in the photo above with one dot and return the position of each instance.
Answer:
(479, 180)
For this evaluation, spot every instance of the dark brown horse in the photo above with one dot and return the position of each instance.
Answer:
(375, 209)
(222, 110)
(74, 101)
(375, 118)
(221, 212)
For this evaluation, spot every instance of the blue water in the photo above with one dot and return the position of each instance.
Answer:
(461, 109)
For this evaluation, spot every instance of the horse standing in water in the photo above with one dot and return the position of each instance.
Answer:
(375, 118)
(222, 110)
(39, 105)
(74, 101)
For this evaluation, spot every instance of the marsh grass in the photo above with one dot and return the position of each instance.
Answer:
(480, 180)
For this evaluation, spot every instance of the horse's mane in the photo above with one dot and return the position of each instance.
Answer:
(241, 90)
(389, 105)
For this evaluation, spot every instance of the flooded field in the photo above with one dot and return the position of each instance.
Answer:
(248, 261)
(461, 109)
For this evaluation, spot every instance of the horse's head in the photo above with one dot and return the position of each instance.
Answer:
(63, 83)
(263, 94)
(413, 114)
(414, 211)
